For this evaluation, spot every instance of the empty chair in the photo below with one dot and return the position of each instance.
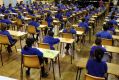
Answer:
(108, 42)
(67, 35)
(89, 77)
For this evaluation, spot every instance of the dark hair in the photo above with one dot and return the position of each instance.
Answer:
(98, 41)
(29, 42)
(109, 24)
(105, 27)
(3, 26)
(83, 20)
(112, 17)
(50, 33)
(6, 17)
(98, 55)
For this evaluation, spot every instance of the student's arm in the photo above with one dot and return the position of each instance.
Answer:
(55, 41)
(109, 36)
(9, 36)
(39, 53)
(98, 34)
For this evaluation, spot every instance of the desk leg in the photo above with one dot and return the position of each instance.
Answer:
(61, 48)
(1, 55)
(89, 35)
(80, 69)
(59, 66)
(77, 73)
(20, 43)
(21, 73)
(53, 69)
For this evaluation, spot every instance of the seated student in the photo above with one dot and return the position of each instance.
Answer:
(105, 33)
(113, 21)
(68, 29)
(87, 17)
(36, 25)
(10, 8)
(95, 66)
(49, 20)
(111, 28)
(20, 16)
(68, 13)
(28, 50)
(59, 16)
(50, 40)
(11, 40)
(98, 44)
(3, 8)
(84, 25)
(6, 20)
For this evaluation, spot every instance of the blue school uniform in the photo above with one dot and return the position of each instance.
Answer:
(49, 20)
(59, 16)
(92, 51)
(84, 25)
(113, 22)
(71, 31)
(87, 18)
(112, 29)
(32, 51)
(68, 14)
(51, 41)
(7, 21)
(35, 24)
(104, 34)
(8, 34)
(95, 68)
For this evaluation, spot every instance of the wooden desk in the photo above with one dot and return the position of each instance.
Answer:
(27, 19)
(6, 78)
(56, 27)
(81, 64)
(112, 49)
(115, 37)
(117, 31)
(18, 34)
(67, 40)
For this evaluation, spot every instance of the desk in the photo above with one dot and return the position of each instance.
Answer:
(27, 19)
(115, 37)
(67, 40)
(112, 49)
(6, 78)
(18, 34)
(117, 31)
(81, 64)
(56, 27)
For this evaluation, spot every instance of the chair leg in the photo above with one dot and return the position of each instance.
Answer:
(40, 74)
(15, 48)
(77, 73)
(1, 57)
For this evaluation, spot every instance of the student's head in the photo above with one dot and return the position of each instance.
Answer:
(10, 5)
(98, 55)
(33, 19)
(105, 27)
(112, 17)
(83, 20)
(113, 13)
(50, 33)
(98, 41)
(68, 25)
(110, 24)
(6, 17)
(48, 14)
(3, 26)
(29, 42)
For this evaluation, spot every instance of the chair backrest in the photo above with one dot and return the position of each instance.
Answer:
(4, 39)
(108, 42)
(67, 35)
(31, 29)
(19, 21)
(44, 45)
(79, 29)
(89, 77)
(31, 61)
(44, 22)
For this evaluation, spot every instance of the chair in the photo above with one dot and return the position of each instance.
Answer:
(108, 42)
(79, 29)
(44, 45)
(19, 24)
(89, 77)
(44, 22)
(4, 41)
(30, 61)
(31, 29)
(67, 35)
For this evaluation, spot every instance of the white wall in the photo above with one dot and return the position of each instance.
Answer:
(13, 2)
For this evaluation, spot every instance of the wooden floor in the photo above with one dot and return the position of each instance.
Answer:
(11, 67)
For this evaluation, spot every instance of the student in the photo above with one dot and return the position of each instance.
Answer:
(11, 40)
(105, 33)
(68, 29)
(11, 8)
(50, 40)
(36, 25)
(87, 17)
(28, 50)
(111, 28)
(68, 13)
(84, 25)
(6, 20)
(98, 44)
(20, 16)
(95, 66)
(49, 20)
(3, 8)
(113, 21)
